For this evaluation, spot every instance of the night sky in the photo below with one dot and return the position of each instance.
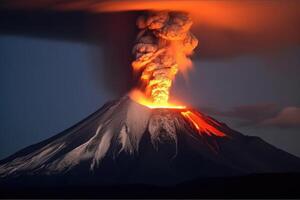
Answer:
(49, 83)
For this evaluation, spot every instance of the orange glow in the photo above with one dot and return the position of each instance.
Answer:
(233, 15)
(161, 50)
(139, 97)
(195, 118)
(201, 125)
(184, 63)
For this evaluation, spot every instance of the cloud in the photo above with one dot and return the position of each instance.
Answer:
(230, 28)
(261, 115)
(287, 117)
(255, 112)
(225, 29)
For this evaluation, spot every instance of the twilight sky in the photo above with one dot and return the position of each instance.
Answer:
(49, 82)
(48, 85)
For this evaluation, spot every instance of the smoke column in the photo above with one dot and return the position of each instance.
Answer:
(161, 50)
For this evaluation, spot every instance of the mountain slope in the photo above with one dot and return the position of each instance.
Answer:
(126, 143)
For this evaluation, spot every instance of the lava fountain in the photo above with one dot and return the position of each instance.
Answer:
(163, 46)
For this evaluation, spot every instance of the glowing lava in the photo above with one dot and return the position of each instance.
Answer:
(161, 50)
(139, 97)
(200, 124)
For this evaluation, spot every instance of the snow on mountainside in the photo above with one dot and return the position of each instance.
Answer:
(125, 142)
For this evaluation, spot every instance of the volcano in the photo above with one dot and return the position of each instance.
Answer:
(126, 143)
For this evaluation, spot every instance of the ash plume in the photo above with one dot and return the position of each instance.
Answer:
(226, 29)
(162, 48)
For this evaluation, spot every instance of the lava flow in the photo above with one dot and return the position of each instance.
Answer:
(201, 125)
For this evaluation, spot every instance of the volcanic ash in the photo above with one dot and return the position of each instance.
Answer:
(161, 50)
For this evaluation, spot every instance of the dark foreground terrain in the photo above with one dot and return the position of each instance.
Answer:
(252, 186)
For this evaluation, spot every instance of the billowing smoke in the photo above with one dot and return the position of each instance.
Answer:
(226, 29)
(162, 48)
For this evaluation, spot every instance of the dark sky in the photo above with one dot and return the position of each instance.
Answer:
(49, 83)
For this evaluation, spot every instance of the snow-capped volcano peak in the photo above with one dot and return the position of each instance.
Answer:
(125, 141)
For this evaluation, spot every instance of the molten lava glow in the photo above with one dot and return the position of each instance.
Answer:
(139, 97)
(201, 125)
(196, 119)
(163, 46)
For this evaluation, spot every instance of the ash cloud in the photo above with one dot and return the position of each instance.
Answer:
(162, 49)
(224, 29)
(231, 28)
